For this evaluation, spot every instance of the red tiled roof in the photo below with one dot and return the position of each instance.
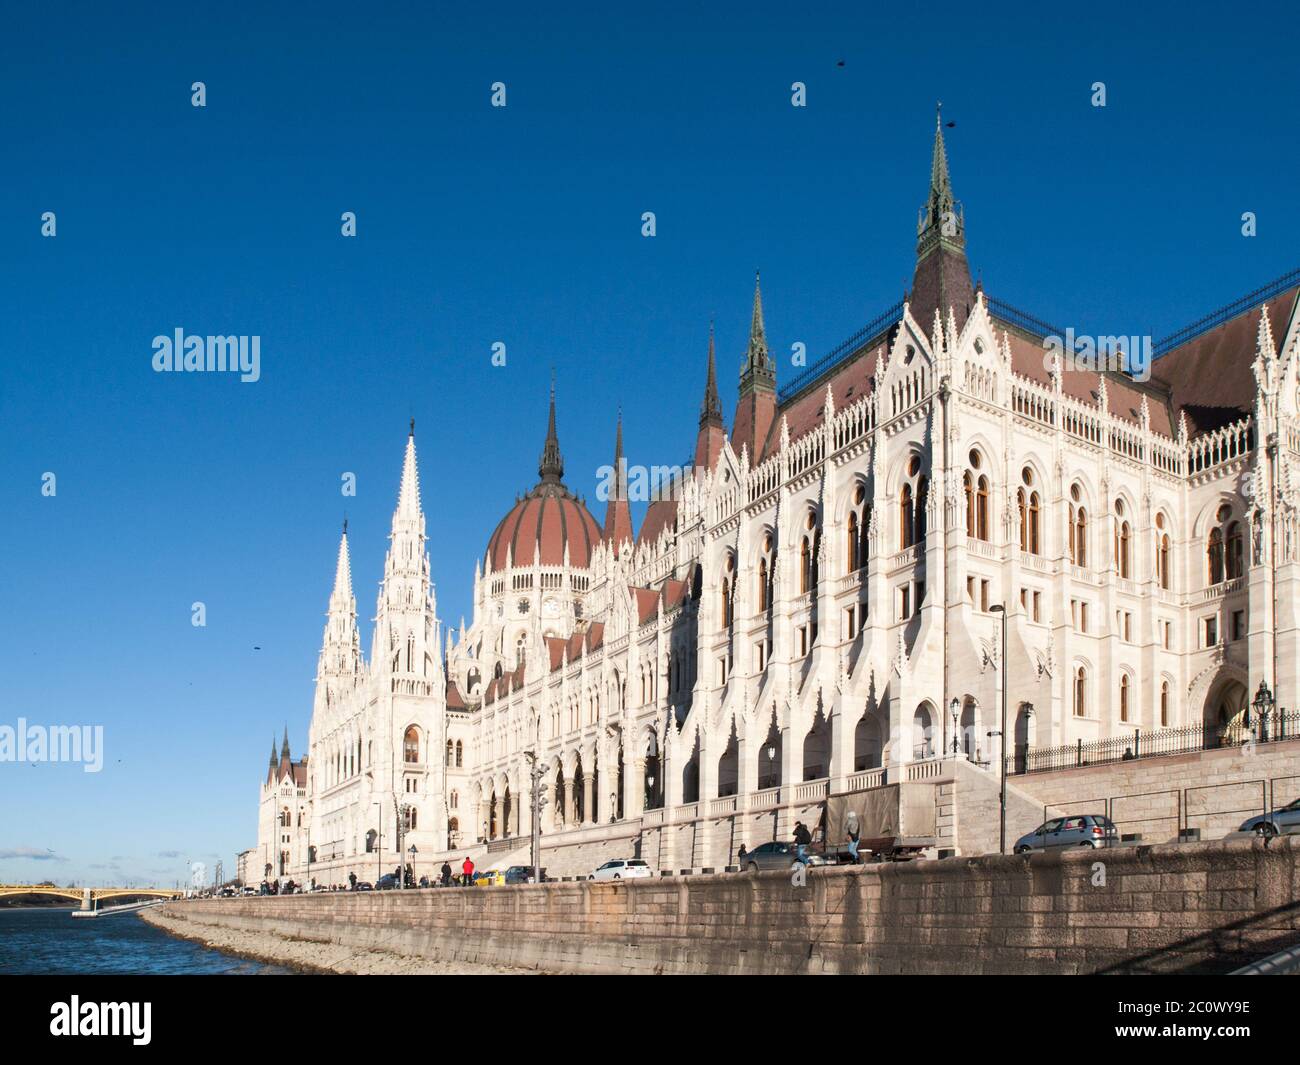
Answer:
(1210, 376)
(674, 593)
(660, 515)
(647, 603)
(849, 382)
(555, 647)
(549, 517)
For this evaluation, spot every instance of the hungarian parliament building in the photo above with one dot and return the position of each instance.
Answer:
(820, 604)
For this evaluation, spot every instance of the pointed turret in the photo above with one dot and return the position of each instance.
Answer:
(942, 279)
(618, 515)
(340, 654)
(273, 758)
(405, 634)
(284, 748)
(408, 496)
(757, 405)
(551, 466)
(713, 431)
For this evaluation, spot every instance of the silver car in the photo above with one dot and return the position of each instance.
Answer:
(1281, 822)
(1077, 830)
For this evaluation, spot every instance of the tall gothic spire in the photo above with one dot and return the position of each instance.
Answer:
(273, 758)
(405, 625)
(758, 372)
(340, 653)
(618, 515)
(551, 466)
(756, 408)
(942, 280)
(284, 749)
(408, 496)
(342, 571)
(713, 431)
(711, 408)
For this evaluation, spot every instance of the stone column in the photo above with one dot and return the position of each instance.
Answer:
(843, 726)
(586, 793)
(634, 788)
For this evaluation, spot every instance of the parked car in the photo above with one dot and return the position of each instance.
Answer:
(1280, 822)
(364, 885)
(1078, 830)
(387, 882)
(488, 877)
(520, 874)
(622, 869)
(227, 893)
(777, 855)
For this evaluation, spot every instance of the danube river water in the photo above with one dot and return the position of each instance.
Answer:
(50, 940)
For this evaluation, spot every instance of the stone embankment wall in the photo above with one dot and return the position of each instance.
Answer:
(1207, 907)
(1213, 791)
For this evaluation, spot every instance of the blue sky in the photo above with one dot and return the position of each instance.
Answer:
(519, 225)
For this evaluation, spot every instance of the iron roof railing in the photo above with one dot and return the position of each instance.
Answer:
(842, 352)
(1015, 316)
(1226, 313)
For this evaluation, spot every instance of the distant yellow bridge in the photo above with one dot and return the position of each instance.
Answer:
(89, 897)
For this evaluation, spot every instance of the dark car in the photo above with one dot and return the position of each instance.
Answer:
(364, 885)
(1282, 821)
(777, 855)
(1077, 830)
(519, 874)
(387, 882)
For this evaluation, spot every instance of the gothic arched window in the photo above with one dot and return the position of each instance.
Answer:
(1122, 536)
(906, 517)
(411, 745)
(1162, 552)
(1214, 557)
(1027, 500)
(1234, 556)
(1080, 692)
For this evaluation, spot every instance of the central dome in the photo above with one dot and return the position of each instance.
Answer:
(547, 520)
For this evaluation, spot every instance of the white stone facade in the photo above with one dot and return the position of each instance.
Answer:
(807, 610)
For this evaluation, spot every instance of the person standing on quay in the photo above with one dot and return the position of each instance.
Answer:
(468, 870)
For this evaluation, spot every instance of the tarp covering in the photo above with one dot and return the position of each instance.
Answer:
(876, 811)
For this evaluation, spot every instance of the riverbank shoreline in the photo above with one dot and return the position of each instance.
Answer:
(313, 957)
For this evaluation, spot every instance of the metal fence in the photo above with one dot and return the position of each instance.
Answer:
(841, 352)
(1166, 741)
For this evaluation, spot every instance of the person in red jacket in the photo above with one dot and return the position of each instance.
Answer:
(468, 870)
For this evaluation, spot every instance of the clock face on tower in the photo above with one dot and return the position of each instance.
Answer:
(550, 608)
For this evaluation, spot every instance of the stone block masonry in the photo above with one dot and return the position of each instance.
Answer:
(1203, 907)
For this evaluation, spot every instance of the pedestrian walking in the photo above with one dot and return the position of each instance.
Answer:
(854, 832)
(802, 837)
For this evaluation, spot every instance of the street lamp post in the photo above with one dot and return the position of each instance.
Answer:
(379, 841)
(1263, 708)
(535, 772)
(1002, 747)
(955, 707)
(411, 850)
